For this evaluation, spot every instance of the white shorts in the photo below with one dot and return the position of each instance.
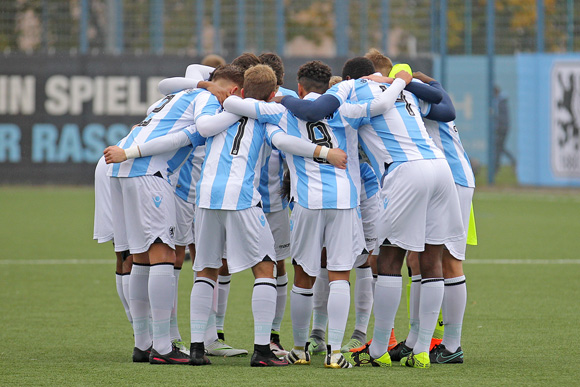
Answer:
(339, 230)
(370, 209)
(420, 206)
(185, 213)
(245, 234)
(103, 226)
(279, 222)
(457, 248)
(143, 211)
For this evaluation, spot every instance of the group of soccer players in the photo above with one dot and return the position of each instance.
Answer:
(369, 184)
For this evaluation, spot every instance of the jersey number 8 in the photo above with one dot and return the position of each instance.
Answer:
(319, 135)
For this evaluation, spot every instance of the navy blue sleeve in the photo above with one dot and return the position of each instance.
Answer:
(443, 111)
(425, 92)
(312, 111)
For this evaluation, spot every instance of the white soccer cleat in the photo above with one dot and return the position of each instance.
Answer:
(180, 346)
(220, 348)
(298, 356)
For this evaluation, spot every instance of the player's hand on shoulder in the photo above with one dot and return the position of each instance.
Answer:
(378, 78)
(114, 154)
(337, 157)
(219, 92)
(405, 76)
(422, 77)
(277, 99)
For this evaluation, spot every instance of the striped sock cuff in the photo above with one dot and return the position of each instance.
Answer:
(224, 279)
(455, 281)
(205, 280)
(265, 281)
(302, 291)
(430, 280)
(416, 278)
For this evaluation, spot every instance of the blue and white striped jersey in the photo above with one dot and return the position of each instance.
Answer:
(231, 170)
(316, 184)
(446, 137)
(272, 174)
(396, 136)
(176, 112)
(189, 175)
(369, 182)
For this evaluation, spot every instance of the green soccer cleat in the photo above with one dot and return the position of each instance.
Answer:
(352, 344)
(361, 357)
(220, 348)
(316, 346)
(420, 360)
(441, 355)
(400, 351)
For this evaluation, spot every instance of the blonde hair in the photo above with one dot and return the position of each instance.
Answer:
(382, 63)
(213, 60)
(334, 80)
(259, 82)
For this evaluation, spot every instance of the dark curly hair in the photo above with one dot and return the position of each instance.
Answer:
(358, 67)
(314, 76)
(274, 61)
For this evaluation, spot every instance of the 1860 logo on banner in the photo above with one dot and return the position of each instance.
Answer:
(565, 119)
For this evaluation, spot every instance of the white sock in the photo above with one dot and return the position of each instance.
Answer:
(454, 301)
(263, 309)
(222, 303)
(320, 301)
(139, 304)
(387, 299)
(121, 293)
(126, 280)
(300, 312)
(338, 307)
(211, 330)
(174, 328)
(363, 298)
(375, 277)
(281, 297)
(162, 298)
(414, 297)
(200, 307)
(429, 307)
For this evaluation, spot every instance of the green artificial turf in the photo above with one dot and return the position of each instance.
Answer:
(63, 324)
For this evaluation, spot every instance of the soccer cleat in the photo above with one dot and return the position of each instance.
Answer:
(140, 356)
(219, 348)
(173, 357)
(400, 351)
(264, 357)
(275, 345)
(434, 342)
(361, 357)
(335, 359)
(420, 360)
(221, 335)
(392, 340)
(299, 356)
(180, 345)
(316, 346)
(352, 344)
(197, 355)
(441, 355)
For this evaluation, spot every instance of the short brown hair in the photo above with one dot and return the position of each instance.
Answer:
(274, 61)
(382, 63)
(314, 76)
(246, 60)
(229, 72)
(213, 60)
(334, 80)
(259, 82)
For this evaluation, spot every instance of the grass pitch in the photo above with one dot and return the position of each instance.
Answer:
(63, 324)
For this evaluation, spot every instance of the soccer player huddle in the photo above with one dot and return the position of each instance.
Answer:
(358, 172)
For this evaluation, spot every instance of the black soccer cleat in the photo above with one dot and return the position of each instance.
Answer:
(400, 351)
(197, 355)
(264, 357)
(441, 355)
(140, 356)
(173, 357)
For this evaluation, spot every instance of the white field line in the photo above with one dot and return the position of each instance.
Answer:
(112, 261)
